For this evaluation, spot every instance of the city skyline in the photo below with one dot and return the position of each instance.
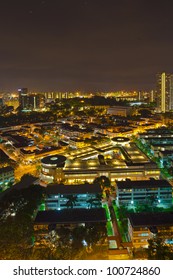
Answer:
(84, 45)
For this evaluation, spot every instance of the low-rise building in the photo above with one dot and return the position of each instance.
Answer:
(6, 177)
(154, 192)
(145, 226)
(120, 111)
(72, 196)
(83, 165)
(69, 218)
(161, 132)
(166, 156)
(52, 169)
(77, 143)
(68, 131)
(47, 222)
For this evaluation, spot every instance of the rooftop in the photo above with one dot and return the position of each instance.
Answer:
(19, 141)
(6, 169)
(73, 189)
(67, 216)
(166, 152)
(120, 139)
(151, 219)
(157, 131)
(58, 160)
(142, 184)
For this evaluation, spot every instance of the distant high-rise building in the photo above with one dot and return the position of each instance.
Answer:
(164, 92)
(151, 96)
(30, 101)
(23, 98)
(36, 101)
(56, 95)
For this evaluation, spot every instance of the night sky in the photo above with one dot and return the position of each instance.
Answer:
(87, 45)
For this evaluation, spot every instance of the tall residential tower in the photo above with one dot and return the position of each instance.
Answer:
(23, 98)
(164, 92)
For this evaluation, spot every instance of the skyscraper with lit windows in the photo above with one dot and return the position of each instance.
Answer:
(164, 92)
(23, 98)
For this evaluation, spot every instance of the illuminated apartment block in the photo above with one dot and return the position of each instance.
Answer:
(164, 92)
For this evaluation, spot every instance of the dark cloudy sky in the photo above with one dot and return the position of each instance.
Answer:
(84, 45)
